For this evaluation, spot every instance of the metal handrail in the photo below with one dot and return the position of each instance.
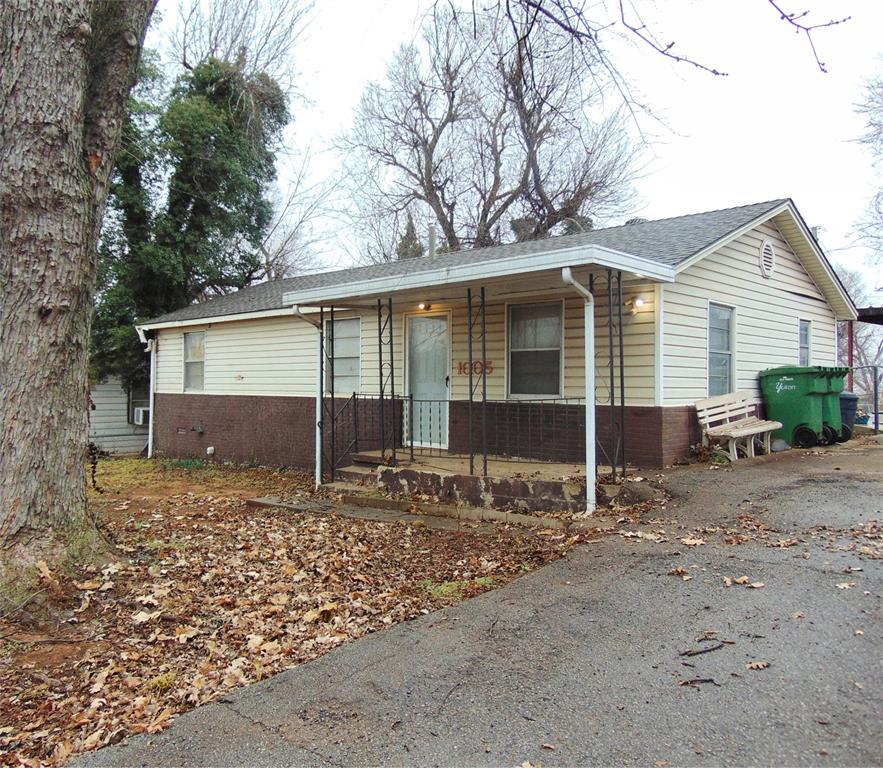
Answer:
(529, 429)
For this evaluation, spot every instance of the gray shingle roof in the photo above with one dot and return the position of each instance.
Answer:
(667, 241)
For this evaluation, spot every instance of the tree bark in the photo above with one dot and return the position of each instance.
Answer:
(66, 67)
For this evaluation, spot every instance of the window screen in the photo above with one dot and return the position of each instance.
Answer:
(720, 350)
(347, 356)
(194, 361)
(803, 357)
(535, 349)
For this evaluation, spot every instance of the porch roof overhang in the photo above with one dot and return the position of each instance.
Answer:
(873, 315)
(496, 271)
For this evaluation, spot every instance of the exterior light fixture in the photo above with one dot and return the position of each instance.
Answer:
(424, 305)
(634, 304)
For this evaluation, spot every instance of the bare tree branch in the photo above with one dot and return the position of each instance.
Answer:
(258, 35)
(871, 227)
(801, 27)
(458, 134)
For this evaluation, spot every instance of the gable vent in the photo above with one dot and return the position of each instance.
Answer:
(767, 259)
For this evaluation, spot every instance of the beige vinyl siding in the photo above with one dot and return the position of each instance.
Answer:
(272, 356)
(109, 426)
(277, 356)
(170, 361)
(766, 315)
(639, 340)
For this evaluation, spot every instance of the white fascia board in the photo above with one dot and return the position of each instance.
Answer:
(577, 256)
(852, 312)
(283, 312)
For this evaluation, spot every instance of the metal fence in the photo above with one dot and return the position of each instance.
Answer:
(869, 403)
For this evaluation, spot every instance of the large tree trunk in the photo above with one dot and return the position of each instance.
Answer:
(66, 67)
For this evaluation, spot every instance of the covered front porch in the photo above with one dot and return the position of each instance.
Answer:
(476, 390)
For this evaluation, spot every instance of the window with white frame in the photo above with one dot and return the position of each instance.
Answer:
(804, 336)
(720, 350)
(535, 334)
(194, 361)
(347, 360)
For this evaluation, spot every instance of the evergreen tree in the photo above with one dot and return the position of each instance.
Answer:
(409, 246)
(188, 206)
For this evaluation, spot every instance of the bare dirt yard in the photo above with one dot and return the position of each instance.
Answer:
(201, 595)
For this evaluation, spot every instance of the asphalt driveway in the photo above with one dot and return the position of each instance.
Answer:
(582, 662)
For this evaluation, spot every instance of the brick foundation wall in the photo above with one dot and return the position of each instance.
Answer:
(276, 431)
(655, 437)
(553, 432)
(280, 431)
(680, 430)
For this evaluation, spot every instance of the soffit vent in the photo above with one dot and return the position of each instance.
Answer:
(767, 259)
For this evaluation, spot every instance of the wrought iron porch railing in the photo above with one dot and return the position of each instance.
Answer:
(550, 430)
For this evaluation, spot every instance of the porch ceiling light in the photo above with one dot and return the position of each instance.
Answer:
(634, 304)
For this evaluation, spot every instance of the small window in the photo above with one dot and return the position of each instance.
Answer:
(805, 335)
(535, 350)
(194, 361)
(347, 343)
(720, 350)
(138, 397)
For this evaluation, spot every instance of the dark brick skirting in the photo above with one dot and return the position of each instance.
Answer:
(280, 431)
(276, 431)
(654, 437)
(680, 430)
(357, 426)
(271, 430)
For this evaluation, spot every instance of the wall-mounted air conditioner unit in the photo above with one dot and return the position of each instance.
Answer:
(142, 416)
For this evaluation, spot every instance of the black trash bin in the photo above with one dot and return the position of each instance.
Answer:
(848, 408)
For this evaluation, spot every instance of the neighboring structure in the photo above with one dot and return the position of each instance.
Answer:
(113, 419)
(642, 320)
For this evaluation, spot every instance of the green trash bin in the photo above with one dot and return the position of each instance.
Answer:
(832, 427)
(794, 395)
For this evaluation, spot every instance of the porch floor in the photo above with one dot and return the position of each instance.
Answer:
(458, 464)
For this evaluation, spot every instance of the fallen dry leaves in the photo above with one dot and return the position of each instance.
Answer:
(209, 595)
(682, 572)
(743, 581)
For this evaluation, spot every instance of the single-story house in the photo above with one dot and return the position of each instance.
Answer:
(118, 417)
(496, 351)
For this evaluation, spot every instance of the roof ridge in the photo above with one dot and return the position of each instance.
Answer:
(557, 238)
(669, 240)
(771, 203)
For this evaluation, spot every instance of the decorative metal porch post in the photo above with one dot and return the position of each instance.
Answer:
(621, 436)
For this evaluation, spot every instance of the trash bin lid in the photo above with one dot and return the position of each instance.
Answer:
(790, 370)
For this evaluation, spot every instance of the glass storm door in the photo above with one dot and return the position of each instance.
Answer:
(428, 378)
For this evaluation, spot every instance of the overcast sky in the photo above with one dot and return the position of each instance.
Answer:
(774, 127)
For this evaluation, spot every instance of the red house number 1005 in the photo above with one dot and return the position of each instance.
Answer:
(478, 367)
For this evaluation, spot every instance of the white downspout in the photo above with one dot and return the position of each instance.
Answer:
(318, 464)
(151, 348)
(589, 321)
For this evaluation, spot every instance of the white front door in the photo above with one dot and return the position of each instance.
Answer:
(429, 378)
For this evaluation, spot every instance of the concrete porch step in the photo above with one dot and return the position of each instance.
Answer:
(361, 497)
(366, 459)
(347, 487)
(359, 475)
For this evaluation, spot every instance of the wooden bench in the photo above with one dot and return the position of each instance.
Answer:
(732, 418)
